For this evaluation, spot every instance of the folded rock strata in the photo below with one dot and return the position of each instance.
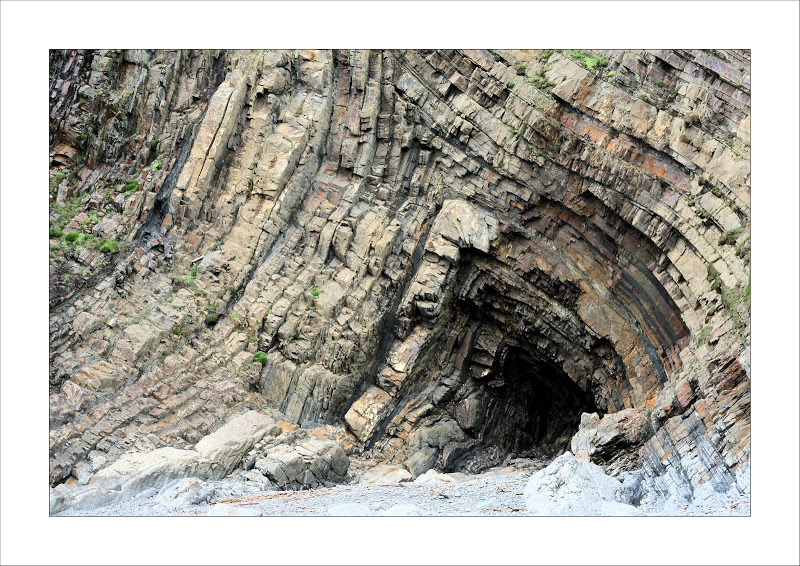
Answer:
(455, 253)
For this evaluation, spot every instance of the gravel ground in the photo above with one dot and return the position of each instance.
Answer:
(490, 494)
(498, 492)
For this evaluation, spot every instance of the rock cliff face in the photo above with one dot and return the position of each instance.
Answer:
(457, 254)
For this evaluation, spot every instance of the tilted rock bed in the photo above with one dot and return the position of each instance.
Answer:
(456, 255)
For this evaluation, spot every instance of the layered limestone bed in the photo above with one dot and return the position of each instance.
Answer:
(291, 266)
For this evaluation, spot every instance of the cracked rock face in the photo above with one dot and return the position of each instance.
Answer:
(455, 254)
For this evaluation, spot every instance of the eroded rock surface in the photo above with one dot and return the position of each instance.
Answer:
(454, 253)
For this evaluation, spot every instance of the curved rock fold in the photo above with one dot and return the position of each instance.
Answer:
(455, 256)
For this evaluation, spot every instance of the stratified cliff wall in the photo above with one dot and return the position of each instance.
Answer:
(455, 253)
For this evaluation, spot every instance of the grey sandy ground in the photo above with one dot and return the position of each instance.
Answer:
(484, 495)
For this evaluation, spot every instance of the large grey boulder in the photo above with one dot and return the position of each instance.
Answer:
(308, 462)
(385, 474)
(226, 447)
(215, 456)
(569, 486)
(613, 440)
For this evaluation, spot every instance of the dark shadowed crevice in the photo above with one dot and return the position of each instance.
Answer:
(529, 408)
(531, 404)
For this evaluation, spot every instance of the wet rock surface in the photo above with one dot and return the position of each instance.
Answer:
(452, 258)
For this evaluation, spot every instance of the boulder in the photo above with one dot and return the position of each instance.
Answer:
(227, 446)
(367, 411)
(615, 436)
(308, 462)
(214, 457)
(432, 476)
(385, 474)
(570, 486)
(185, 492)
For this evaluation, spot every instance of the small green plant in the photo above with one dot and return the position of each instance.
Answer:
(743, 250)
(211, 319)
(191, 276)
(72, 236)
(315, 292)
(516, 132)
(591, 62)
(731, 299)
(177, 331)
(521, 69)
(612, 73)
(234, 314)
(109, 246)
(132, 186)
(714, 277)
(66, 277)
(511, 85)
(57, 178)
(55, 233)
(154, 143)
(93, 218)
(260, 357)
(82, 137)
(666, 143)
(703, 335)
(232, 290)
(546, 55)
(157, 164)
(730, 236)
(540, 82)
(212, 307)
(660, 83)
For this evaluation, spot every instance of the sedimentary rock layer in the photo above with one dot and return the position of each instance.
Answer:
(455, 253)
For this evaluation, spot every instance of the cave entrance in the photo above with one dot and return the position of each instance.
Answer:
(531, 405)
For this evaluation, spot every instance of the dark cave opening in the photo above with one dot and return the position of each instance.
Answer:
(532, 404)
(528, 408)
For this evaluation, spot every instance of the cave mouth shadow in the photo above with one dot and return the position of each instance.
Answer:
(529, 408)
